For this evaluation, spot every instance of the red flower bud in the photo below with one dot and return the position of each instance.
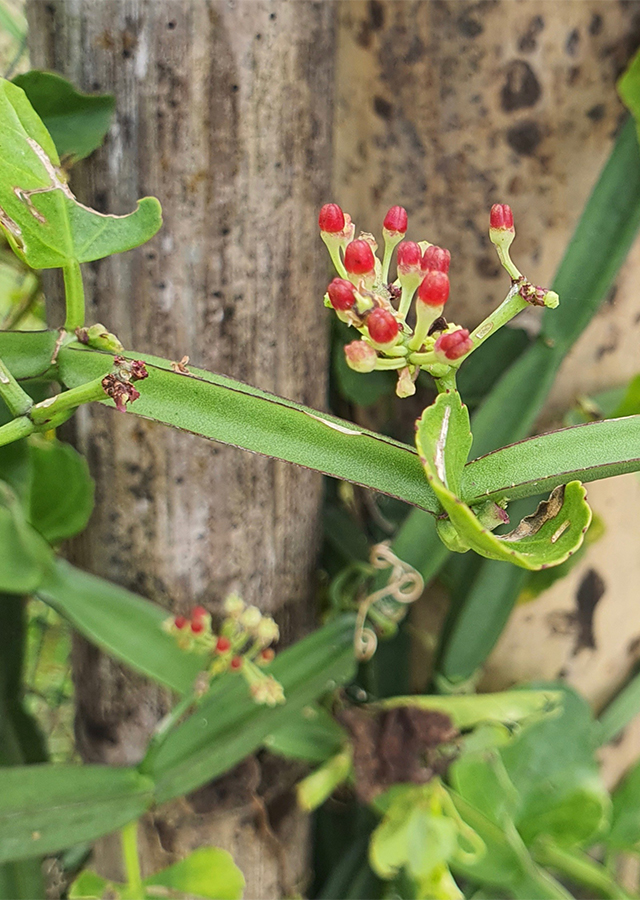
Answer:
(267, 655)
(359, 258)
(198, 612)
(331, 218)
(501, 217)
(455, 344)
(223, 644)
(180, 622)
(197, 626)
(396, 220)
(236, 663)
(341, 294)
(434, 288)
(360, 356)
(437, 259)
(409, 257)
(383, 327)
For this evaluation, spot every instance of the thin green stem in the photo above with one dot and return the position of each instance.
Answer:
(579, 868)
(510, 307)
(507, 263)
(66, 402)
(163, 728)
(131, 860)
(18, 401)
(386, 261)
(405, 300)
(16, 429)
(74, 296)
(385, 364)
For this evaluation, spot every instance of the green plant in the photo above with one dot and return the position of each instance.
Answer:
(486, 787)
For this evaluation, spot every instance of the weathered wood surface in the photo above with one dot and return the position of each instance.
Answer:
(223, 112)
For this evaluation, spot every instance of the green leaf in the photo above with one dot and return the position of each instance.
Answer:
(553, 533)
(61, 490)
(207, 872)
(228, 725)
(554, 770)
(481, 778)
(41, 218)
(77, 122)
(121, 623)
(317, 787)
(12, 23)
(21, 880)
(89, 886)
(629, 88)
(621, 710)
(312, 734)
(625, 821)
(45, 808)
(469, 710)
(24, 555)
(412, 834)
(507, 863)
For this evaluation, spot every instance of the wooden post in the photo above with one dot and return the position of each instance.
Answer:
(223, 111)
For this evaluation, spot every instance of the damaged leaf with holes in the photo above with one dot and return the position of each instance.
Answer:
(548, 537)
(42, 220)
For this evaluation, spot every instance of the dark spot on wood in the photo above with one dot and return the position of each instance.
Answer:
(524, 138)
(572, 75)
(258, 36)
(469, 27)
(397, 745)
(605, 349)
(562, 674)
(488, 267)
(590, 592)
(595, 25)
(528, 41)
(597, 112)
(272, 17)
(521, 88)
(376, 15)
(610, 299)
(633, 648)
(166, 834)
(572, 42)
(171, 25)
(382, 107)
(232, 790)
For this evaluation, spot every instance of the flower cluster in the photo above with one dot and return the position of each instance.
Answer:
(363, 296)
(119, 384)
(242, 644)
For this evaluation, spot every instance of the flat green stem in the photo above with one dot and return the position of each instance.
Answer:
(131, 860)
(74, 296)
(15, 430)
(579, 868)
(18, 401)
(384, 364)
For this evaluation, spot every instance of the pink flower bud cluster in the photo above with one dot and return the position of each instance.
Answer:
(366, 297)
(243, 644)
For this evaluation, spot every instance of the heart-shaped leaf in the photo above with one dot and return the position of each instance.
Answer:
(24, 554)
(44, 223)
(76, 122)
(546, 538)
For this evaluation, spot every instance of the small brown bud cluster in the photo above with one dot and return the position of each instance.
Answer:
(243, 644)
(119, 384)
